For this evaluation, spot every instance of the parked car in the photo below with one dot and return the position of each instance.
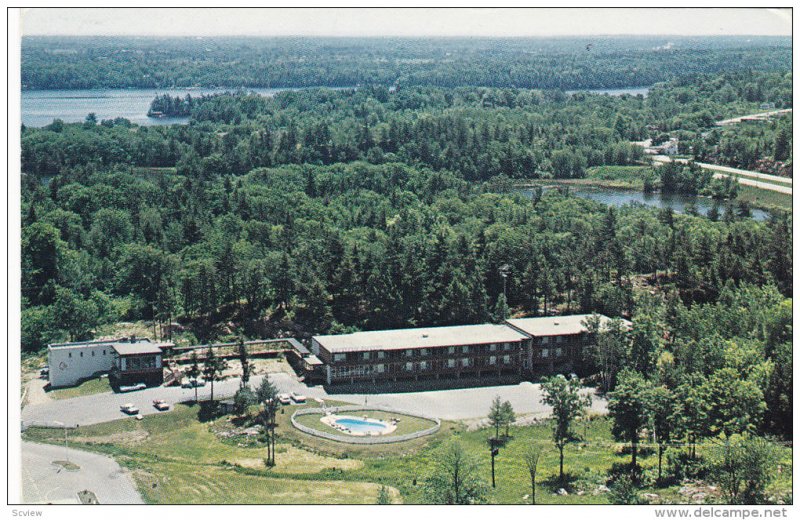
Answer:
(160, 405)
(193, 383)
(297, 398)
(130, 409)
(284, 399)
(133, 388)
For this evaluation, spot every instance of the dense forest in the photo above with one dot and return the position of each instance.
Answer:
(332, 210)
(480, 133)
(552, 63)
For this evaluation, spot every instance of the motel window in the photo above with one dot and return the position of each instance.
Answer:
(424, 352)
(366, 355)
(465, 349)
(409, 366)
(545, 352)
(409, 353)
(451, 363)
(464, 362)
(492, 360)
(507, 359)
(380, 368)
(423, 365)
(492, 347)
(558, 352)
(338, 357)
(545, 340)
(451, 350)
(559, 339)
(506, 346)
(381, 354)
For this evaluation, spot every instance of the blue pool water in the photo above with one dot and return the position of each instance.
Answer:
(360, 425)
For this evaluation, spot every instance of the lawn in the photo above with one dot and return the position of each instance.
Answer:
(186, 483)
(88, 387)
(175, 458)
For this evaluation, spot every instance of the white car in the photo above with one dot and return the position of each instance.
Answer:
(297, 398)
(132, 388)
(284, 399)
(129, 408)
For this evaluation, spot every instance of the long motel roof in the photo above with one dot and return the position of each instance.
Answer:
(432, 337)
(558, 325)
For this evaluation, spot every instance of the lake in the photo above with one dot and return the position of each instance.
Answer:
(678, 203)
(40, 107)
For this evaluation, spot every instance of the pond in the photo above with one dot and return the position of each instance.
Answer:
(40, 107)
(678, 203)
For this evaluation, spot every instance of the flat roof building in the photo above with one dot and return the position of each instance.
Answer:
(557, 325)
(426, 352)
(518, 346)
(125, 360)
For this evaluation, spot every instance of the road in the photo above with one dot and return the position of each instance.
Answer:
(760, 115)
(745, 177)
(44, 482)
(451, 404)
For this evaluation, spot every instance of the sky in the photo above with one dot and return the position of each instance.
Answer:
(404, 22)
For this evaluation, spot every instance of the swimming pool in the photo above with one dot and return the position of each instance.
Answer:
(362, 425)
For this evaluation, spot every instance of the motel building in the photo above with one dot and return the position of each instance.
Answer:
(127, 361)
(518, 347)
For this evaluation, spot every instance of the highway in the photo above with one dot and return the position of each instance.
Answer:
(745, 177)
(760, 115)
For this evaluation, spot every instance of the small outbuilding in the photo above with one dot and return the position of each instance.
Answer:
(136, 361)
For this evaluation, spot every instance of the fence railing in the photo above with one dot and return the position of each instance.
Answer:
(375, 439)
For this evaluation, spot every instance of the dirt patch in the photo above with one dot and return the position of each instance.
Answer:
(121, 438)
(295, 460)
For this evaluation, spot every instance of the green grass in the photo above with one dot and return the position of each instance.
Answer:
(88, 387)
(407, 424)
(175, 458)
(184, 483)
(764, 199)
(619, 176)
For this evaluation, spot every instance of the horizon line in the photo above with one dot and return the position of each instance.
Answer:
(404, 36)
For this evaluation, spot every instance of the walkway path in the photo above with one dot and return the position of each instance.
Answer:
(44, 482)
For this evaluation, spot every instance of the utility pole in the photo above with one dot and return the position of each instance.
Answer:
(505, 270)
(66, 445)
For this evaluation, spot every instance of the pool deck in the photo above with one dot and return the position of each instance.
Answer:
(331, 421)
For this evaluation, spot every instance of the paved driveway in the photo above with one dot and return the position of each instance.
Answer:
(451, 404)
(44, 482)
(466, 403)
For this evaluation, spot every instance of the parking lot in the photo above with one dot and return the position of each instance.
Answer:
(448, 404)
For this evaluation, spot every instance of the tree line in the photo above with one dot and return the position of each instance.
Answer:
(552, 63)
